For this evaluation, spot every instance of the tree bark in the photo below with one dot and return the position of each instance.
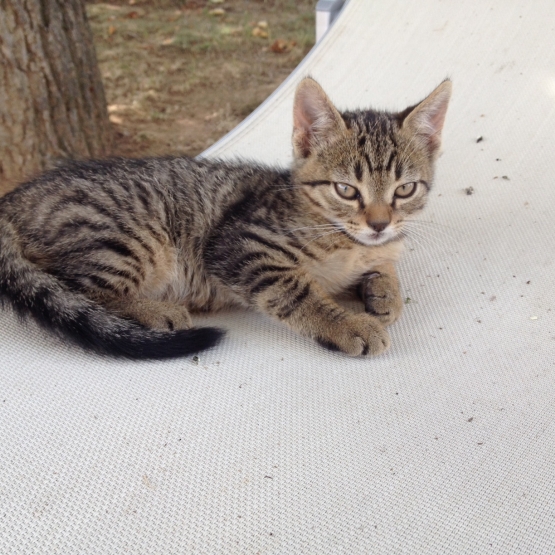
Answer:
(52, 102)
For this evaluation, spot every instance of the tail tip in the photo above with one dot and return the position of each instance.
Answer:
(179, 343)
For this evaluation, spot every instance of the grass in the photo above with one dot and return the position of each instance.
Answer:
(177, 78)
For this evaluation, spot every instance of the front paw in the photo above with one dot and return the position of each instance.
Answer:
(381, 297)
(356, 335)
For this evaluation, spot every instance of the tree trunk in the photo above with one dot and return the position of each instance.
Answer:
(52, 102)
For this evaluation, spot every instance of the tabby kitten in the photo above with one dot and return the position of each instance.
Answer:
(116, 254)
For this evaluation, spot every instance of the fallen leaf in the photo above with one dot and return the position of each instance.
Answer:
(132, 15)
(117, 108)
(279, 46)
(111, 30)
(217, 11)
(262, 24)
(217, 1)
(258, 32)
(116, 119)
(166, 42)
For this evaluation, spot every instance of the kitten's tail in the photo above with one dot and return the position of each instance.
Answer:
(32, 292)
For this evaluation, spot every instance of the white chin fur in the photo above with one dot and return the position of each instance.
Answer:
(372, 239)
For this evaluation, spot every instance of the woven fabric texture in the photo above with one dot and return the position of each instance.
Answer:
(270, 444)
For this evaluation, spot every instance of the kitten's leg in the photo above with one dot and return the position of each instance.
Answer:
(379, 291)
(300, 303)
(153, 314)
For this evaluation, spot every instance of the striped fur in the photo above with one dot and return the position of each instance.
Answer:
(116, 254)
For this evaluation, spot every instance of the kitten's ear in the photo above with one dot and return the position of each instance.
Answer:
(426, 119)
(315, 118)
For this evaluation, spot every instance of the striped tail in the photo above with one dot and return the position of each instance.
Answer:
(33, 292)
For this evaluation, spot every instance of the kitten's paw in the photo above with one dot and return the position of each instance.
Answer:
(170, 317)
(381, 297)
(156, 315)
(358, 335)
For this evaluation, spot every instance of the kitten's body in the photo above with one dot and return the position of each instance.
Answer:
(116, 254)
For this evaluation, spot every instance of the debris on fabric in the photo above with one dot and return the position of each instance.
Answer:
(469, 190)
(479, 139)
(505, 177)
(147, 482)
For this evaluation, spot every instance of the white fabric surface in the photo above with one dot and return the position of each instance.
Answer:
(272, 445)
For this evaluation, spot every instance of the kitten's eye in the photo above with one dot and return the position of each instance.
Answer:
(406, 190)
(346, 191)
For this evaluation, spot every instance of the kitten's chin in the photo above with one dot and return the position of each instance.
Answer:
(371, 239)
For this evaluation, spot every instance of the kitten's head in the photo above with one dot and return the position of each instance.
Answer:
(366, 171)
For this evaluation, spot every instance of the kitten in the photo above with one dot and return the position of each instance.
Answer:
(116, 254)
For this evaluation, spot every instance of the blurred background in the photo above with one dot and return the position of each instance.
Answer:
(89, 79)
(179, 74)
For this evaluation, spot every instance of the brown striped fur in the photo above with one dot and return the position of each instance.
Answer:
(117, 254)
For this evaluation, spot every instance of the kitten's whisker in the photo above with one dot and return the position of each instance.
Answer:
(424, 250)
(430, 230)
(425, 241)
(320, 236)
(440, 234)
(319, 226)
(424, 233)
(428, 222)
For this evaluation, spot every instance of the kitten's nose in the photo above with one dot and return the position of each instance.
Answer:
(378, 225)
(378, 216)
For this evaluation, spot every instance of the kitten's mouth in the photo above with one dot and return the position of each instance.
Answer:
(373, 238)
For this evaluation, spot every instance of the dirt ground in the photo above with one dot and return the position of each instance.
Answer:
(179, 74)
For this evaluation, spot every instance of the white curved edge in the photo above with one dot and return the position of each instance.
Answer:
(282, 90)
